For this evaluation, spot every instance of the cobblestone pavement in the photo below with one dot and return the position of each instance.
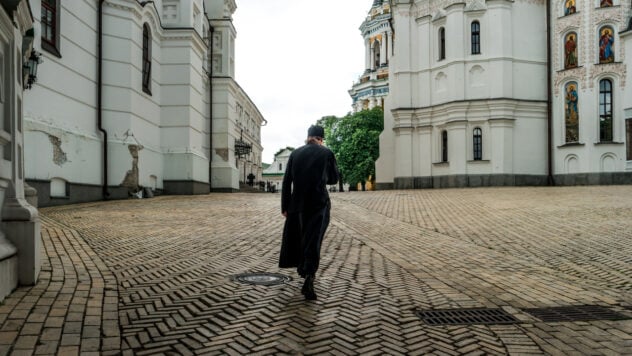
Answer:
(153, 276)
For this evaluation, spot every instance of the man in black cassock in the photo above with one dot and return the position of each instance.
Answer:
(305, 204)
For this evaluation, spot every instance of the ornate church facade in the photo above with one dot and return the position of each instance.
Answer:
(480, 93)
(372, 87)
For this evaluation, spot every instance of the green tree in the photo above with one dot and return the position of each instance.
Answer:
(354, 139)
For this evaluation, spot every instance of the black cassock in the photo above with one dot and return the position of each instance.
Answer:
(305, 198)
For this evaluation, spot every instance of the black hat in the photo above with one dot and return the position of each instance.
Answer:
(316, 131)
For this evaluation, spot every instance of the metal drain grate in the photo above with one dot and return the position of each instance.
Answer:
(261, 278)
(575, 313)
(465, 316)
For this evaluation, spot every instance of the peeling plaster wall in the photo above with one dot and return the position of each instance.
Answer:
(59, 156)
(131, 178)
(55, 152)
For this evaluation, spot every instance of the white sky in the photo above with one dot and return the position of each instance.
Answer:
(296, 60)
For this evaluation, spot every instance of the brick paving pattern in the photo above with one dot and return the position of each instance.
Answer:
(153, 276)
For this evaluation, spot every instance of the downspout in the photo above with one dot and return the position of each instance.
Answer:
(105, 192)
(210, 110)
(549, 95)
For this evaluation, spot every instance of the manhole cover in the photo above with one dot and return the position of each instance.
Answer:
(575, 313)
(465, 316)
(261, 278)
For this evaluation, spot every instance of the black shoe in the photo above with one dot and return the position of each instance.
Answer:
(308, 288)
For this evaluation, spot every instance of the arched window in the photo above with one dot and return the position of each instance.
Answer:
(606, 3)
(441, 43)
(605, 110)
(444, 146)
(146, 59)
(571, 115)
(606, 45)
(570, 50)
(376, 51)
(476, 37)
(569, 7)
(478, 144)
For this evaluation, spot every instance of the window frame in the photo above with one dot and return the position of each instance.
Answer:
(606, 101)
(51, 45)
(477, 144)
(441, 43)
(377, 53)
(146, 59)
(628, 139)
(444, 146)
(475, 39)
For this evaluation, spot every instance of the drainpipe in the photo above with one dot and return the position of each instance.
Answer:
(549, 95)
(210, 110)
(106, 193)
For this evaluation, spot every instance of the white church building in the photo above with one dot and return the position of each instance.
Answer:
(481, 94)
(137, 95)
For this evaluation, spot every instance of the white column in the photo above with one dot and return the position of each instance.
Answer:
(389, 45)
(372, 56)
(367, 54)
(383, 49)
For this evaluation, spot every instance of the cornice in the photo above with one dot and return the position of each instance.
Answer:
(24, 18)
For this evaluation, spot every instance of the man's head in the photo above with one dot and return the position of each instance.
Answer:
(316, 131)
(315, 134)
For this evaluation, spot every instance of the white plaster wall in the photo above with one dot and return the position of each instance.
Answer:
(63, 101)
(511, 65)
(130, 116)
(171, 125)
(384, 169)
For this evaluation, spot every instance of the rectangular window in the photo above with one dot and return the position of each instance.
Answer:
(146, 59)
(441, 43)
(444, 146)
(628, 139)
(50, 26)
(476, 38)
(605, 110)
(478, 144)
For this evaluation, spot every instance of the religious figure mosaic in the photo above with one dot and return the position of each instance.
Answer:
(606, 45)
(571, 114)
(569, 7)
(570, 51)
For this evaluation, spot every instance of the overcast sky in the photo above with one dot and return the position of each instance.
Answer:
(296, 60)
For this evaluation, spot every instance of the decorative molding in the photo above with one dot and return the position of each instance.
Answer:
(438, 15)
(617, 68)
(229, 8)
(23, 17)
(577, 74)
(5, 137)
(476, 5)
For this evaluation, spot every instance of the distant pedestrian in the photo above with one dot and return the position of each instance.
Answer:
(305, 204)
